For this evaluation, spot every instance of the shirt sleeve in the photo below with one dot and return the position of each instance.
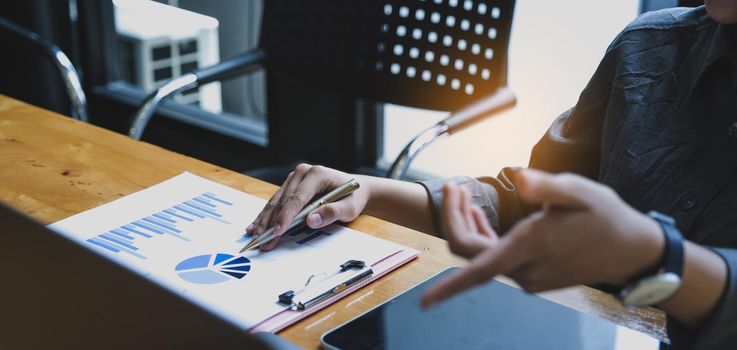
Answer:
(571, 144)
(719, 330)
(486, 192)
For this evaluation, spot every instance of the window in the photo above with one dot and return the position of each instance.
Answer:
(164, 39)
(551, 60)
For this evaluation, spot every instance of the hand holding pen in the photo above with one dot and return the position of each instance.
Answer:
(304, 183)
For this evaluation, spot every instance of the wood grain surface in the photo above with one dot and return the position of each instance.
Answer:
(52, 167)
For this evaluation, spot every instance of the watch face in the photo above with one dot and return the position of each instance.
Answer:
(652, 290)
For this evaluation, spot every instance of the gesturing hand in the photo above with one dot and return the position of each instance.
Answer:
(584, 234)
(464, 224)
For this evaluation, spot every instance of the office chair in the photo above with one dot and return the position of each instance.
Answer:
(448, 55)
(64, 67)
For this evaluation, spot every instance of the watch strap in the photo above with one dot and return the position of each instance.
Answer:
(673, 255)
(666, 281)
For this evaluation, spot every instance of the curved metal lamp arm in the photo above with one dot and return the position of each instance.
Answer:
(501, 100)
(231, 67)
(68, 73)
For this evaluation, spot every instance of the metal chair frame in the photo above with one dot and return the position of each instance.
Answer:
(359, 47)
(65, 68)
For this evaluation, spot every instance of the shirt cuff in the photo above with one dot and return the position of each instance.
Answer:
(482, 194)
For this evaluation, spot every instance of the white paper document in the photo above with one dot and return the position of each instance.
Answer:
(185, 234)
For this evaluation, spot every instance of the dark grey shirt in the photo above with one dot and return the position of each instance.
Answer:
(658, 124)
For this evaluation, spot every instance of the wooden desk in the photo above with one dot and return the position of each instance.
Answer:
(52, 167)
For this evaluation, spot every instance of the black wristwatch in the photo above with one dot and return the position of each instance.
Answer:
(657, 288)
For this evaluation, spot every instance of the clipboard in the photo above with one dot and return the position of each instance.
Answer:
(182, 234)
(287, 317)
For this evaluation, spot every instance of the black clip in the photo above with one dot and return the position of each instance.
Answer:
(352, 264)
(287, 297)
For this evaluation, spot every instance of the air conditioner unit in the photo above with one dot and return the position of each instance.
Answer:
(158, 42)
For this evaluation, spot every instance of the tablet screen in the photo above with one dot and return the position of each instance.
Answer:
(492, 316)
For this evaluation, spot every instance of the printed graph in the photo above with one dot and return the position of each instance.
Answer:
(213, 268)
(166, 222)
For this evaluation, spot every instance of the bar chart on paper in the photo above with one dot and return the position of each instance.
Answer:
(168, 221)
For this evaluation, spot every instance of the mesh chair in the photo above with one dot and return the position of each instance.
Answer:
(448, 55)
(63, 65)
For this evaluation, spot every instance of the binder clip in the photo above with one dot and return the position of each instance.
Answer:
(287, 298)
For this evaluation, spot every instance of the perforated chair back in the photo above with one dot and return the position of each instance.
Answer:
(448, 55)
(433, 54)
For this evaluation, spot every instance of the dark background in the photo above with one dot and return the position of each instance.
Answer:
(315, 125)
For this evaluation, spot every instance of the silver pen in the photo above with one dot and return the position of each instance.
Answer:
(337, 194)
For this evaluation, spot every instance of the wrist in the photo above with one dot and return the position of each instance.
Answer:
(401, 202)
(648, 250)
(368, 185)
(655, 246)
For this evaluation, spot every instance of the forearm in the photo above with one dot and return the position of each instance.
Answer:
(403, 203)
(703, 281)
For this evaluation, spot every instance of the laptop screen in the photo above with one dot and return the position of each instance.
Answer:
(57, 294)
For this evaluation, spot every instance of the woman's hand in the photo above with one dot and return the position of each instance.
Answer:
(464, 224)
(584, 234)
(304, 183)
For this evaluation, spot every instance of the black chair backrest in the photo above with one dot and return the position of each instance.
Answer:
(433, 54)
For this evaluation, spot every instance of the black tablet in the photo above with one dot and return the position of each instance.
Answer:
(492, 316)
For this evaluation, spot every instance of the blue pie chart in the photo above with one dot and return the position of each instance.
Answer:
(213, 268)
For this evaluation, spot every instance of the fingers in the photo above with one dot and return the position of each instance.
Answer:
(515, 250)
(299, 188)
(481, 222)
(466, 208)
(562, 190)
(453, 220)
(493, 261)
(263, 219)
(465, 237)
(342, 210)
(295, 197)
(269, 245)
(538, 276)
